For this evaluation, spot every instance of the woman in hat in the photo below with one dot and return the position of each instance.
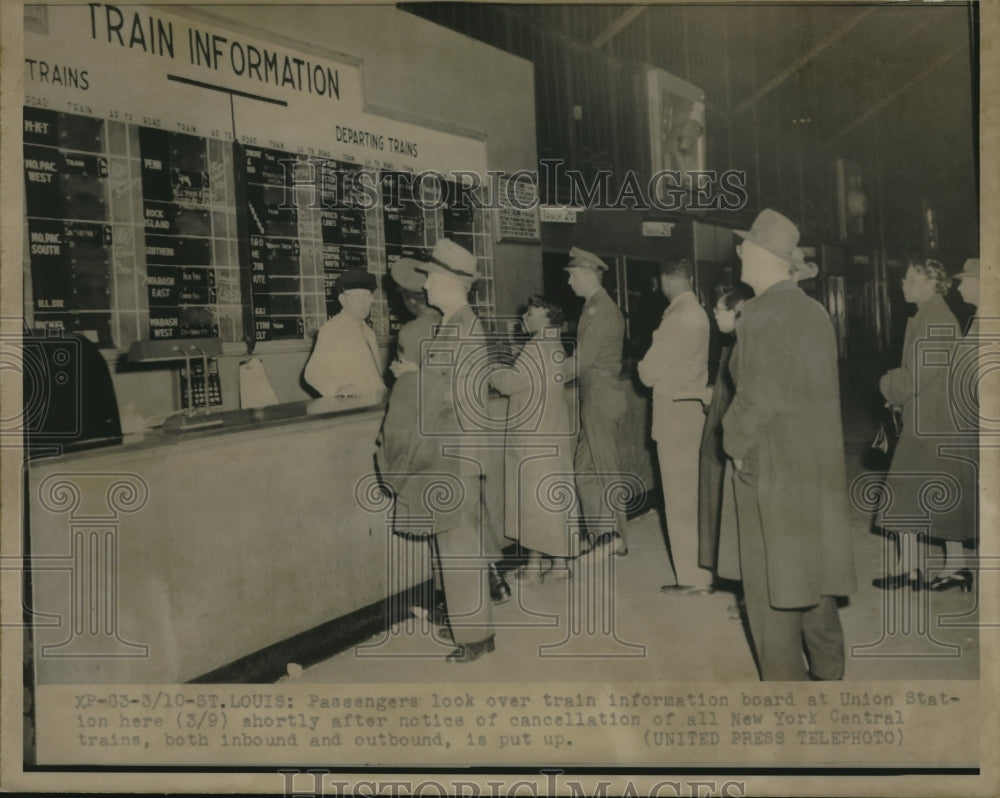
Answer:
(926, 485)
(538, 416)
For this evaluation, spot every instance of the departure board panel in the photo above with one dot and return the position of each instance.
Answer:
(191, 269)
(227, 210)
(275, 252)
(67, 179)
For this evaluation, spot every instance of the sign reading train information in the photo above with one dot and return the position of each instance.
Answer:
(187, 72)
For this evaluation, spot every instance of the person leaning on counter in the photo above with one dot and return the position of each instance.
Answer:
(397, 441)
(345, 361)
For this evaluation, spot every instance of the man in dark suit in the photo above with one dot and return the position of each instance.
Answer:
(783, 432)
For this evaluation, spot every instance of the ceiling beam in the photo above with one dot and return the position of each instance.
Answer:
(515, 12)
(617, 26)
(804, 59)
(894, 95)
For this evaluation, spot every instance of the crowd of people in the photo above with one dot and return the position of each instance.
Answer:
(752, 468)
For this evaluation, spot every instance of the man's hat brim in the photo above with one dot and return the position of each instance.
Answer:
(784, 255)
(434, 267)
(408, 274)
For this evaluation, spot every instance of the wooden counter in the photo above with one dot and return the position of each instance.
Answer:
(171, 555)
(177, 556)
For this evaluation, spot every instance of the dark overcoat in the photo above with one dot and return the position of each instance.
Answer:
(425, 455)
(784, 424)
(932, 477)
(712, 465)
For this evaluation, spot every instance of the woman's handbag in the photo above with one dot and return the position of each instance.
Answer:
(883, 445)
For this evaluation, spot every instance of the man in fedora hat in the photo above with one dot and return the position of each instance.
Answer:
(783, 431)
(600, 335)
(345, 361)
(449, 399)
(409, 276)
(397, 438)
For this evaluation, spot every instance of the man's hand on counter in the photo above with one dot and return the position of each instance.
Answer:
(348, 391)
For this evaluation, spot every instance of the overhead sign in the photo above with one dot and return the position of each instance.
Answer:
(658, 229)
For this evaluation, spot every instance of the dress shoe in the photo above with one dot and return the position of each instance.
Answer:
(563, 574)
(676, 590)
(446, 634)
(530, 576)
(438, 614)
(615, 541)
(896, 581)
(499, 589)
(583, 544)
(468, 652)
(960, 579)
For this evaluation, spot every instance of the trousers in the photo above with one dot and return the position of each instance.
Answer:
(783, 638)
(596, 463)
(677, 449)
(464, 553)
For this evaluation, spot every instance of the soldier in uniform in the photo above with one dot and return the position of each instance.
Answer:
(600, 335)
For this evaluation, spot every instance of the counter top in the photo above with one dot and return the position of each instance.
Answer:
(181, 428)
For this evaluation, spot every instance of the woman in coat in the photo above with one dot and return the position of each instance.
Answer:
(540, 445)
(927, 480)
(717, 551)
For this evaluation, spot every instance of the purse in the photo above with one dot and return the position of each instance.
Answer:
(883, 445)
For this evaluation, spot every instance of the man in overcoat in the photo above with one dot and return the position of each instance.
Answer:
(783, 431)
(443, 450)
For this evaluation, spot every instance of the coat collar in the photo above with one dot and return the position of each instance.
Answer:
(781, 287)
(683, 299)
(596, 297)
(935, 303)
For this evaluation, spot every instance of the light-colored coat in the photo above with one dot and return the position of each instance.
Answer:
(676, 366)
(540, 445)
(346, 354)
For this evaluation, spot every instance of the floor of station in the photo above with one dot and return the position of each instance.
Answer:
(612, 623)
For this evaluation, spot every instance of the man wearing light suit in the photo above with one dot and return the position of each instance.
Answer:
(676, 367)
